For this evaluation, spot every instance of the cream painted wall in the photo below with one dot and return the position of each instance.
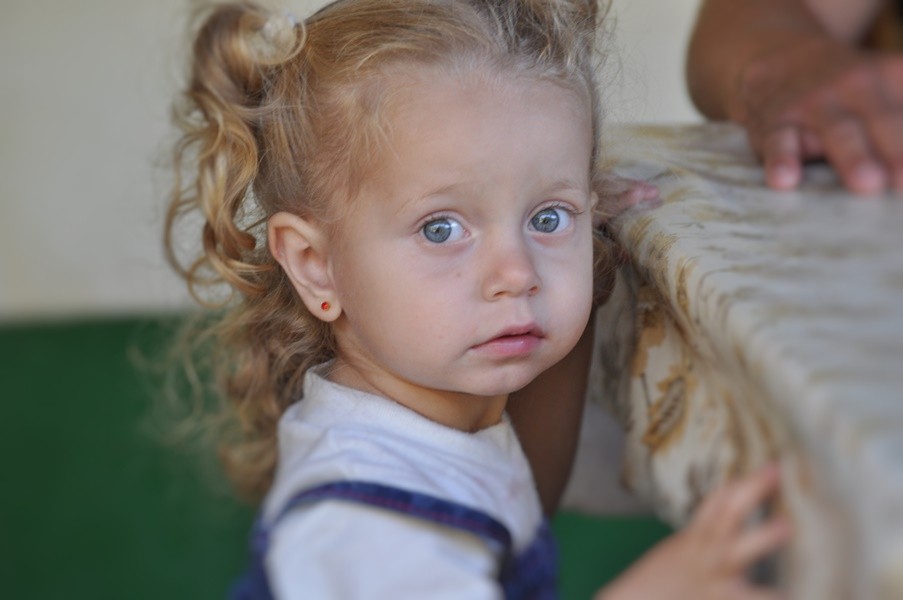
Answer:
(648, 61)
(84, 129)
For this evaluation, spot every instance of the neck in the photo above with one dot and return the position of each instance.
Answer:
(464, 412)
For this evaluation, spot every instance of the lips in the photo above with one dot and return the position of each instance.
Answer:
(520, 330)
(514, 341)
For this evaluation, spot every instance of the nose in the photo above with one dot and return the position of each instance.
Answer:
(510, 269)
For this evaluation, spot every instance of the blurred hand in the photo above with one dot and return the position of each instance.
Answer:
(827, 100)
(709, 558)
(617, 194)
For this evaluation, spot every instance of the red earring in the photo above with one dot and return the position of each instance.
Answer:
(325, 305)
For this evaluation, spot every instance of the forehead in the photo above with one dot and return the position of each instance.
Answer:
(431, 84)
(430, 126)
(434, 103)
(483, 132)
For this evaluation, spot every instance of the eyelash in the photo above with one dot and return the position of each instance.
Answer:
(437, 217)
(557, 204)
(434, 217)
(560, 205)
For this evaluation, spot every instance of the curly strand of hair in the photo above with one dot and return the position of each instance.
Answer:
(270, 349)
(220, 120)
(261, 346)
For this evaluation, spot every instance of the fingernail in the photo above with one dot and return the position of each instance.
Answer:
(783, 177)
(898, 183)
(650, 190)
(772, 468)
(868, 178)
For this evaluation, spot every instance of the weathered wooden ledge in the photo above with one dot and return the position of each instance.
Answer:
(755, 324)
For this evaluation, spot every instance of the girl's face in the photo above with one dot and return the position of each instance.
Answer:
(464, 269)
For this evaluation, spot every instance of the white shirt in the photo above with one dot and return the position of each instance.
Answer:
(336, 549)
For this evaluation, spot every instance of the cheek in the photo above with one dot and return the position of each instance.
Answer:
(382, 287)
(570, 282)
(571, 266)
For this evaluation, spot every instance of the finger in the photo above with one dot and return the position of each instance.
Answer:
(755, 593)
(758, 542)
(782, 154)
(891, 69)
(886, 131)
(743, 497)
(638, 192)
(869, 94)
(712, 506)
(848, 149)
(650, 191)
(619, 194)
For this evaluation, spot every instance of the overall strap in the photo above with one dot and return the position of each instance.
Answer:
(406, 502)
(531, 575)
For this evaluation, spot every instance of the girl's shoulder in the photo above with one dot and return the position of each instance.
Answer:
(413, 554)
(335, 434)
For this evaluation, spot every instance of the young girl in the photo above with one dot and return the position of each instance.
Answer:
(400, 193)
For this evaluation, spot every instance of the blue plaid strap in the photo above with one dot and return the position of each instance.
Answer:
(532, 575)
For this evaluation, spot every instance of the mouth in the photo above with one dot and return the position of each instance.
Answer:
(530, 329)
(513, 341)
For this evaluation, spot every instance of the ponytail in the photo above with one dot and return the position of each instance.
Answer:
(265, 340)
(220, 114)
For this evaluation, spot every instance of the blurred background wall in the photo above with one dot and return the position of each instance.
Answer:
(85, 134)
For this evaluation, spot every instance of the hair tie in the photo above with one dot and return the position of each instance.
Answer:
(275, 41)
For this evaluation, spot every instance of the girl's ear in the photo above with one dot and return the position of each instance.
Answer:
(300, 247)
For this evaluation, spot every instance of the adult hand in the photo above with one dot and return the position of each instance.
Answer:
(617, 194)
(824, 99)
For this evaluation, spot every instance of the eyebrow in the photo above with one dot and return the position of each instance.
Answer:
(559, 185)
(420, 198)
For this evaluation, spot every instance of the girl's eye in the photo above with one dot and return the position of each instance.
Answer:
(550, 219)
(443, 230)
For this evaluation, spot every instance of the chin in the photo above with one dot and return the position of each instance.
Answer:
(503, 383)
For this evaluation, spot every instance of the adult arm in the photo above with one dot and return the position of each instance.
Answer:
(793, 74)
(547, 414)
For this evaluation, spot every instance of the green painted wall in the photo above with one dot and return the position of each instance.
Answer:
(95, 506)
